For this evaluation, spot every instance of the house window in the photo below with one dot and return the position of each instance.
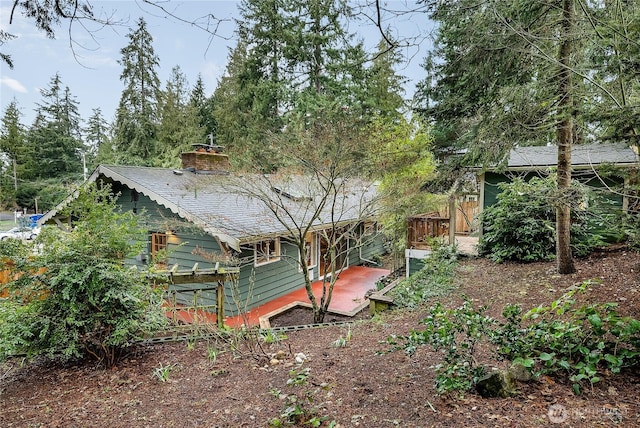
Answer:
(159, 247)
(267, 251)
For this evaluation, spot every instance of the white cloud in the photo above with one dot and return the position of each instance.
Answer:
(12, 84)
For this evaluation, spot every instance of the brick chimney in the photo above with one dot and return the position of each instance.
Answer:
(206, 159)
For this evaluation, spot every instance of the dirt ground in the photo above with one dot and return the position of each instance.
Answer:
(350, 380)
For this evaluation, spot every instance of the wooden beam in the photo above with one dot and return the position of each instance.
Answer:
(452, 219)
(198, 278)
(218, 275)
(220, 303)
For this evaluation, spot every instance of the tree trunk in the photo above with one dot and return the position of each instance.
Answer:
(564, 257)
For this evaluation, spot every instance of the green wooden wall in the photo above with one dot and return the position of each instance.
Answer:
(492, 179)
(415, 265)
(369, 248)
(256, 285)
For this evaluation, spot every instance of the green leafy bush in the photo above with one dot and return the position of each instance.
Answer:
(77, 298)
(433, 280)
(579, 342)
(300, 407)
(521, 225)
(631, 225)
(454, 333)
(11, 248)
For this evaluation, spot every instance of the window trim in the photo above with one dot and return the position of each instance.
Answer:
(313, 251)
(269, 258)
(159, 241)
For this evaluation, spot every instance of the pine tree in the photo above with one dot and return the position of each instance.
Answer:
(55, 136)
(617, 52)
(137, 115)
(242, 121)
(180, 123)
(14, 150)
(205, 107)
(294, 61)
(96, 136)
(384, 86)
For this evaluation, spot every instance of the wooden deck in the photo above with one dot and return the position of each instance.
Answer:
(348, 298)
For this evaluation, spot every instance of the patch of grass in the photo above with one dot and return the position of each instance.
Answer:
(162, 372)
(342, 341)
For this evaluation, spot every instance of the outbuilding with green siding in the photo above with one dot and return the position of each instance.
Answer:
(603, 166)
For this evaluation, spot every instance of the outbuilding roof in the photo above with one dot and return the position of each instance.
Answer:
(584, 155)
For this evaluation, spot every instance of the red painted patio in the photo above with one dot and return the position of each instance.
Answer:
(347, 299)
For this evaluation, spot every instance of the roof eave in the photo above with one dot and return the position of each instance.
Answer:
(573, 166)
(107, 172)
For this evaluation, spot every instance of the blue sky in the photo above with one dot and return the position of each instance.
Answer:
(88, 63)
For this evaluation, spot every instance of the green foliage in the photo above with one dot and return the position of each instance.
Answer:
(161, 373)
(454, 333)
(342, 341)
(581, 342)
(270, 336)
(521, 225)
(299, 405)
(55, 136)
(180, 126)
(135, 127)
(491, 79)
(631, 220)
(212, 353)
(45, 193)
(76, 298)
(402, 159)
(631, 226)
(433, 280)
(12, 248)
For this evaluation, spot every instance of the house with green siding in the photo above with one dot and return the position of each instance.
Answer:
(202, 215)
(608, 167)
(603, 166)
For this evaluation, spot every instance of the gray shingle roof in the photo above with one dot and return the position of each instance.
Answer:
(226, 207)
(581, 155)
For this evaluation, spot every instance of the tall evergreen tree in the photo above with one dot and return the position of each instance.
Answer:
(242, 124)
(205, 107)
(180, 122)
(55, 136)
(293, 60)
(616, 52)
(96, 136)
(137, 115)
(384, 86)
(13, 148)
